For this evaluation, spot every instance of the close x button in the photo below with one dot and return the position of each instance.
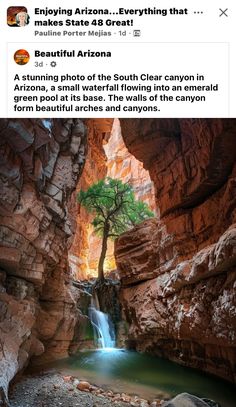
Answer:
(223, 12)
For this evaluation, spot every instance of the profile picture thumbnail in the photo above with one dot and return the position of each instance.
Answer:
(21, 57)
(17, 16)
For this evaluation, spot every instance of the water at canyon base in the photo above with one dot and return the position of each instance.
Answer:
(144, 375)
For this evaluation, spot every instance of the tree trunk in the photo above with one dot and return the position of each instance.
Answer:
(103, 253)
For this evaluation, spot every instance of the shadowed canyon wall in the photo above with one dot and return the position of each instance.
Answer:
(178, 273)
(41, 162)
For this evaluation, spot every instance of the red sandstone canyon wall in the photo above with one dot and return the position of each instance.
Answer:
(40, 165)
(178, 273)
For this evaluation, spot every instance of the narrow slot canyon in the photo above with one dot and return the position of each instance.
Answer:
(114, 161)
(160, 328)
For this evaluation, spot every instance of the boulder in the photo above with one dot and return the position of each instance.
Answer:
(188, 400)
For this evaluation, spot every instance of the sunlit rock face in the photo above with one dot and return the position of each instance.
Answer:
(123, 165)
(40, 165)
(178, 273)
(107, 156)
(95, 168)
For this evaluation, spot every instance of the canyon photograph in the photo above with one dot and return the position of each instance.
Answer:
(118, 262)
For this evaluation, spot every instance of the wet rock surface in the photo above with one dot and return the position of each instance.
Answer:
(107, 295)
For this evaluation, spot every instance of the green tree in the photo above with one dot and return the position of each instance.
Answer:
(115, 210)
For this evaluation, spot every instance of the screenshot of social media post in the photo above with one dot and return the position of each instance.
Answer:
(118, 203)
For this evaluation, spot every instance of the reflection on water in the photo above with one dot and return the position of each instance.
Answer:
(144, 375)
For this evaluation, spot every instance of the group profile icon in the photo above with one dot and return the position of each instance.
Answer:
(21, 57)
(17, 16)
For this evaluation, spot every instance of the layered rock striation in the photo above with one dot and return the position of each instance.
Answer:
(41, 161)
(178, 273)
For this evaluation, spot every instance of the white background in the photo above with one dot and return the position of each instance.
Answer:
(187, 50)
(159, 58)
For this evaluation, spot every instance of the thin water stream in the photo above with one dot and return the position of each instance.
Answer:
(104, 331)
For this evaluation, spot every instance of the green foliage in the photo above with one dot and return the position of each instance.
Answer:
(114, 205)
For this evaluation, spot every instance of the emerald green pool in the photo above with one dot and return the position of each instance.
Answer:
(144, 375)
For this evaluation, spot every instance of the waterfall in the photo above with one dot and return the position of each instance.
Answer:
(103, 326)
